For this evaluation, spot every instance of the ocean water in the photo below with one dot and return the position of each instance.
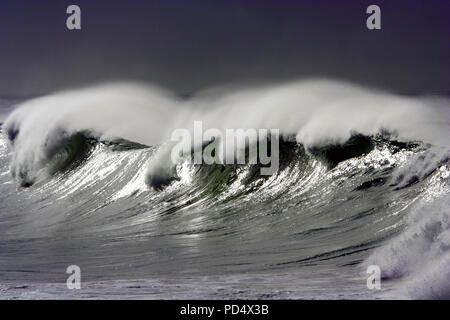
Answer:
(363, 180)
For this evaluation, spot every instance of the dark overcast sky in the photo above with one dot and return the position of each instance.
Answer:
(187, 45)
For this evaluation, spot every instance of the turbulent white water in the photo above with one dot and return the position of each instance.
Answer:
(316, 112)
(325, 215)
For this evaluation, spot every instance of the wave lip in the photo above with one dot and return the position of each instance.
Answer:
(318, 113)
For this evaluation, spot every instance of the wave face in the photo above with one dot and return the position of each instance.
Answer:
(79, 171)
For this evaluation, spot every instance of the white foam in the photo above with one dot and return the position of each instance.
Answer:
(316, 111)
(420, 256)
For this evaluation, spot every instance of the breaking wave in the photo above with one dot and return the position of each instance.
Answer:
(363, 179)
